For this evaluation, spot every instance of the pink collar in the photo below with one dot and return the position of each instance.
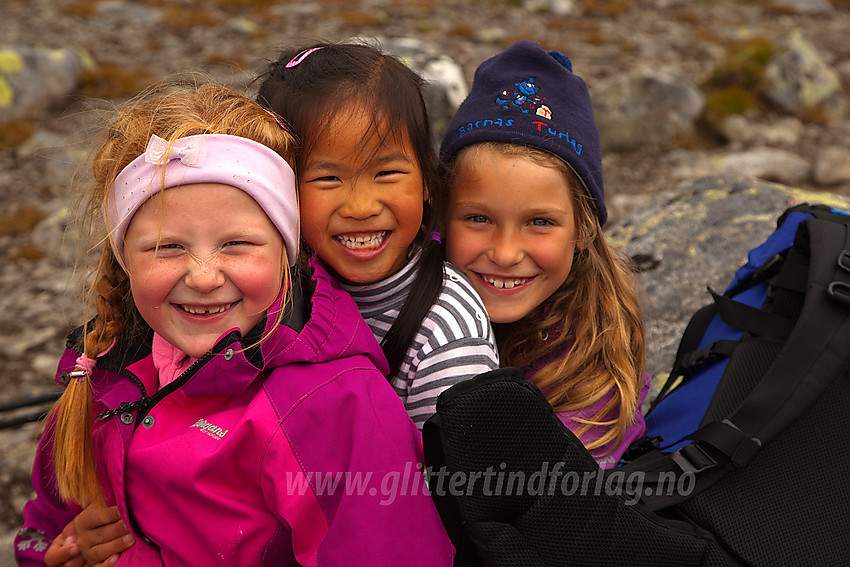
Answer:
(168, 360)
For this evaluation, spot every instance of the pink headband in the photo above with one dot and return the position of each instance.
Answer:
(207, 158)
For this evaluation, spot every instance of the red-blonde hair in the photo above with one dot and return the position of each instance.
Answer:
(171, 112)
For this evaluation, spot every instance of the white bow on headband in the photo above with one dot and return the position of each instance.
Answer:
(190, 151)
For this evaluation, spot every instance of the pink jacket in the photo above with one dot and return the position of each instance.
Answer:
(294, 452)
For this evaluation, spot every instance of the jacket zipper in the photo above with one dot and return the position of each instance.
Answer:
(145, 406)
(158, 396)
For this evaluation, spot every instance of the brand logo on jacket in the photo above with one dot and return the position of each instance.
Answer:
(210, 429)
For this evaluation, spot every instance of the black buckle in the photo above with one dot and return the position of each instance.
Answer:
(844, 260)
(769, 267)
(839, 291)
(691, 458)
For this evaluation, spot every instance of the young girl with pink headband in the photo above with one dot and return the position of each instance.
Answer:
(225, 419)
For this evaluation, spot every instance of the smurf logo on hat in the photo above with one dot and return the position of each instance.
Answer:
(507, 104)
(525, 98)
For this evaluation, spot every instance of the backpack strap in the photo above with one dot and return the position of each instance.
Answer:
(688, 355)
(779, 271)
(816, 351)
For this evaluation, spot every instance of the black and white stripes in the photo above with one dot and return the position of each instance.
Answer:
(455, 341)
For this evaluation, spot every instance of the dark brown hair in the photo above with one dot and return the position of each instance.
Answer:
(323, 85)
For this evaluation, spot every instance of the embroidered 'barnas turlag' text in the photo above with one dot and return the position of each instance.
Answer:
(210, 429)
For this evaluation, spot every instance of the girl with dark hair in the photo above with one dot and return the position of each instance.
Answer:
(372, 208)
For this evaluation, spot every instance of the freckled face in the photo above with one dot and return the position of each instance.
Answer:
(202, 259)
(511, 230)
(361, 203)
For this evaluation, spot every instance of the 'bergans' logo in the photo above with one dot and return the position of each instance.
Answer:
(213, 431)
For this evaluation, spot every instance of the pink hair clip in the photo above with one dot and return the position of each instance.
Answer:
(276, 119)
(301, 57)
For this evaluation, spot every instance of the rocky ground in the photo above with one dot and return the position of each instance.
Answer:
(133, 43)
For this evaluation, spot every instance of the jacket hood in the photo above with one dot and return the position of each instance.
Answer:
(334, 329)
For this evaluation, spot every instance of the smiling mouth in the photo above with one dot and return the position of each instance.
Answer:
(208, 310)
(502, 283)
(362, 241)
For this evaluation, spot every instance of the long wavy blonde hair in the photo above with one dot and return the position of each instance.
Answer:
(171, 112)
(595, 316)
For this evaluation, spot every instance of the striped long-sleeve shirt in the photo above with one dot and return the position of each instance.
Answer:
(455, 341)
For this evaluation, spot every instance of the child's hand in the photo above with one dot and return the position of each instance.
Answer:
(101, 536)
(63, 549)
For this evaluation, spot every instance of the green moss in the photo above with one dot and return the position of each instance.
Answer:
(725, 102)
(184, 19)
(743, 66)
(607, 8)
(28, 253)
(80, 9)
(737, 84)
(248, 3)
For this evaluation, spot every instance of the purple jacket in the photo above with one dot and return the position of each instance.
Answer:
(607, 456)
(294, 452)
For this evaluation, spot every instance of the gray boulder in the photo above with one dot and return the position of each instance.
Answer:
(33, 78)
(800, 81)
(640, 109)
(697, 236)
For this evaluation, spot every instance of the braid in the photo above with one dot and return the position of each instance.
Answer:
(74, 455)
(110, 294)
(169, 111)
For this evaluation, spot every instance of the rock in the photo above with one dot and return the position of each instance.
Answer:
(130, 12)
(53, 235)
(555, 7)
(783, 132)
(766, 163)
(694, 236)
(832, 165)
(6, 541)
(60, 156)
(800, 81)
(33, 78)
(445, 85)
(17, 451)
(639, 109)
(816, 7)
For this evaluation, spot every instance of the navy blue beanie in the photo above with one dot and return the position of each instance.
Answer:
(527, 96)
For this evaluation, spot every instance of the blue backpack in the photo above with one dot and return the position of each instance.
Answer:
(755, 411)
(747, 456)
(739, 314)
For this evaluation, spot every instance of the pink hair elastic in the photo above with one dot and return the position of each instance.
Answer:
(207, 158)
(301, 57)
(84, 365)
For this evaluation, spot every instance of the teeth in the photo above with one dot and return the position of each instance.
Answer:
(203, 311)
(362, 242)
(500, 283)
